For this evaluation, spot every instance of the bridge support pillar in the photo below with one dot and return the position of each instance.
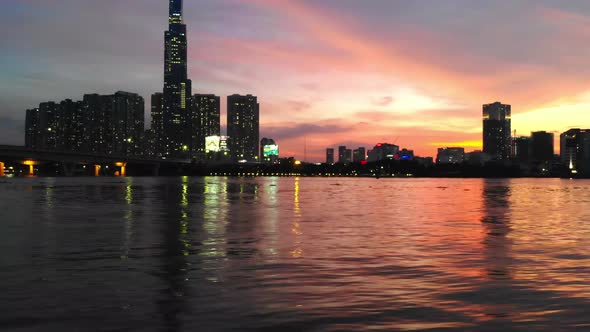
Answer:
(1, 168)
(123, 168)
(31, 164)
(97, 170)
(156, 170)
(67, 169)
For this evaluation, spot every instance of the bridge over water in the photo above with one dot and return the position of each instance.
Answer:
(23, 161)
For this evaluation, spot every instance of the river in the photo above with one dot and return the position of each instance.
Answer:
(294, 254)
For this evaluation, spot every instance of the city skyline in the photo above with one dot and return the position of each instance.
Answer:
(389, 96)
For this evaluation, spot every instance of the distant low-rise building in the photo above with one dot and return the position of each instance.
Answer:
(383, 151)
(359, 155)
(477, 158)
(405, 154)
(450, 155)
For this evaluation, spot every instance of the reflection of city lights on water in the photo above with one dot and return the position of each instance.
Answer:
(296, 230)
(297, 253)
(129, 192)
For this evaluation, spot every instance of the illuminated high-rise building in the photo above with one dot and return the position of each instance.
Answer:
(575, 150)
(71, 136)
(49, 118)
(496, 130)
(33, 129)
(176, 99)
(243, 127)
(157, 126)
(128, 123)
(205, 119)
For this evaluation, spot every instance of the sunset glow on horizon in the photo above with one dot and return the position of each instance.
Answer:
(326, 73)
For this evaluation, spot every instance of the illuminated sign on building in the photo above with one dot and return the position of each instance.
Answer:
(212, 144)
(270, 150)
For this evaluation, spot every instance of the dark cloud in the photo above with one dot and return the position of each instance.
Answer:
(283, 132)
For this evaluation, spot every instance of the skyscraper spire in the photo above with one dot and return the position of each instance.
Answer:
(175, 12)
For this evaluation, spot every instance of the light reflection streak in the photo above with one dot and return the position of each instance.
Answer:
(215, 192)
(272, 214)
(297, 252)
(128, 218)
(184, 235)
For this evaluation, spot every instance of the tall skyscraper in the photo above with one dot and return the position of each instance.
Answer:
(177, 87)
(205, 121)
(243, 127)
(329, 156)
(496, 130)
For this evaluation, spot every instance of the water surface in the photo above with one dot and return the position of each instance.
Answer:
(294, 254)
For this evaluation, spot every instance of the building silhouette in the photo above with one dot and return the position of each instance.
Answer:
(496, 130)
(383, 151)
(157, 126)
(243, 127)
(521, 148)
(450, 155)
(104, 124)
(72, 126)
(343, 154)
(205, 118)
(359, 155)
(176, 97)
(542, 146)
(33, 129)
(50, 119)
(575, 150)
(329, 156)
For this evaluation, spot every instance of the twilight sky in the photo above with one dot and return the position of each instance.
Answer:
(352, 72)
